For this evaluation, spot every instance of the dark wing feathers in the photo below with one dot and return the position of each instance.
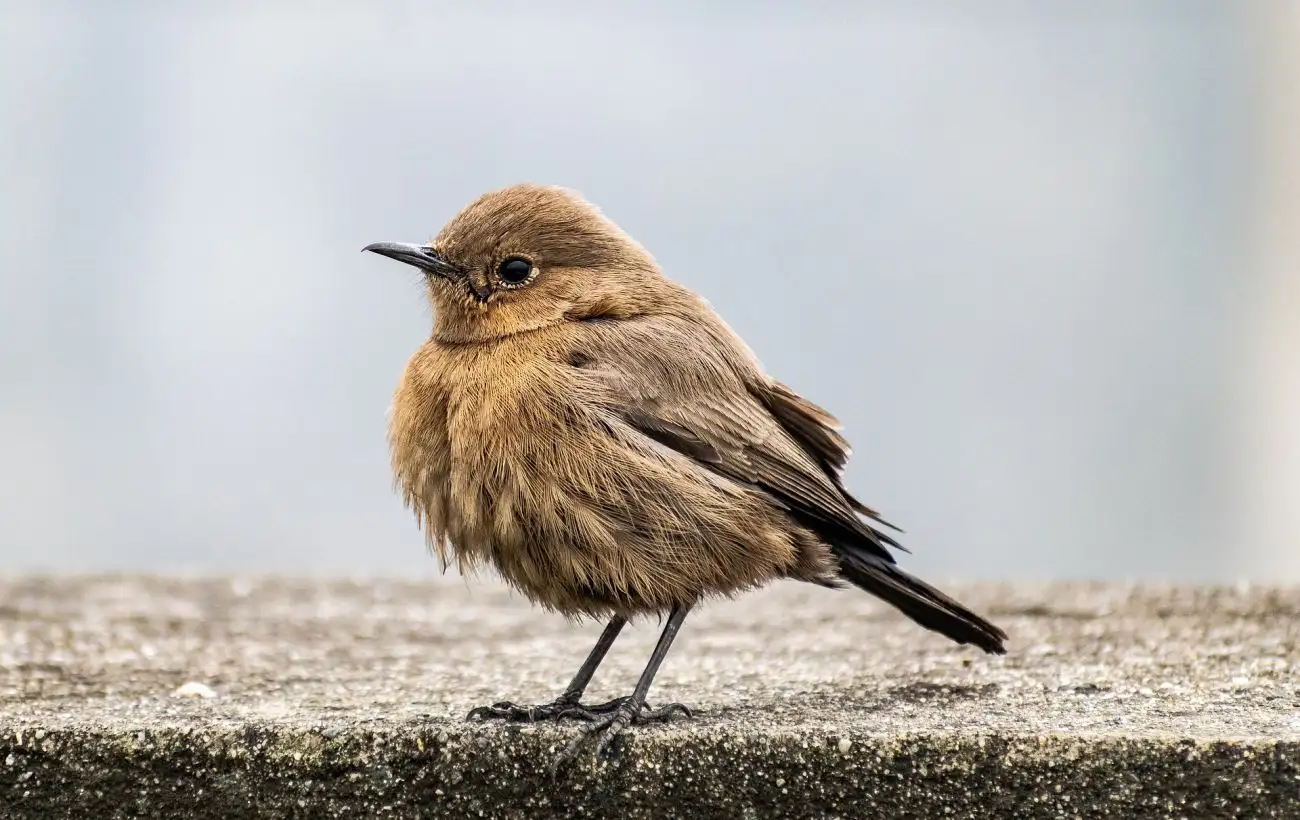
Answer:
(729, 439)
(812, 426)
(818, 432)
(753, 430)
(673, 436)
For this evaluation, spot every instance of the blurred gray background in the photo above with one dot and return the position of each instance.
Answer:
(1039, 258)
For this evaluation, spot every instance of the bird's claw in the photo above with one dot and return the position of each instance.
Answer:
(610, 724)
(505, 710)
(561, 708)
(648, 714)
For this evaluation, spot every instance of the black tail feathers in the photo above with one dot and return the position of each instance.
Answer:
(919, 601)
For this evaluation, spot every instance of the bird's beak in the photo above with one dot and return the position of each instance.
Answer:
(421, 256)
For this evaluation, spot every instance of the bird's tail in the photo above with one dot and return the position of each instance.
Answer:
(919, 601)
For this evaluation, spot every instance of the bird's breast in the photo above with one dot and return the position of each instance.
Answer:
(474, 446)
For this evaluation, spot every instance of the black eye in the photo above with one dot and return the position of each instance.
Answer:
(515, 271)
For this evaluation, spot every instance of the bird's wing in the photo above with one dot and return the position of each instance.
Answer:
(818, 433)
(694, 390)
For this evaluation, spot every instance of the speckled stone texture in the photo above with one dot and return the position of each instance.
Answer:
(347, 699)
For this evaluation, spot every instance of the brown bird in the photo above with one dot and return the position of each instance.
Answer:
(595, 432)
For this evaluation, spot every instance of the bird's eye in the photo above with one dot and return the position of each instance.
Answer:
(515, 271)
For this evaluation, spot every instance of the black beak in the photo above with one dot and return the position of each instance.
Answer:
(421, 256)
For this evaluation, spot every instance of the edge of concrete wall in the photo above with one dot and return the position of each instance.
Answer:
(460, 770)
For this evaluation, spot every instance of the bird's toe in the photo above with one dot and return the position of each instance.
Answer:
(664, 713)
(505, 710)
(610, 722)
(612, 727)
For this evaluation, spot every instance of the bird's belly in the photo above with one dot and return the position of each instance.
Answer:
(570, 556)
(552, 566)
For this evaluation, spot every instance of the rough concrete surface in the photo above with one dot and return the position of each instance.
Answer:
(347, 699)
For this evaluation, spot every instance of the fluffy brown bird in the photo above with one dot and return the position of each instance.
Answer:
(597, 433)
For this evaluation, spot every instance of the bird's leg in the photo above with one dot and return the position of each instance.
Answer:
(569, 701)
(632, 709)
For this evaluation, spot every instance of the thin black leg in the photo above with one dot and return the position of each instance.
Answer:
(567, 704)
(657, 657)
(579, 683)
(632, 708)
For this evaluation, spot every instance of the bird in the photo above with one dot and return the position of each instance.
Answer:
(594, 431)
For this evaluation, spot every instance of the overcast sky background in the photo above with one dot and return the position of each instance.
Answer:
(1006, 246)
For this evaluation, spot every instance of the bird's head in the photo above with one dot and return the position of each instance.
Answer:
(527, 257)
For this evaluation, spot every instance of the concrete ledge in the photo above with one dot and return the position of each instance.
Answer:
(346, 699)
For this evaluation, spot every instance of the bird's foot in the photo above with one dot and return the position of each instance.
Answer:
(564, 706)
(610, 724)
